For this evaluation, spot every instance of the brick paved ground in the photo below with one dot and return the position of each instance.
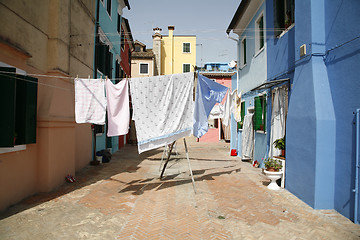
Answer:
(124, 199)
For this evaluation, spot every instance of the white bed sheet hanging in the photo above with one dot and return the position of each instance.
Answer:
(247, 140)
(162, 109)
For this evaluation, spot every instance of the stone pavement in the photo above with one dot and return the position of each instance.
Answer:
(125, 199)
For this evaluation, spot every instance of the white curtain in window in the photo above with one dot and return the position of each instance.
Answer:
(277, 119)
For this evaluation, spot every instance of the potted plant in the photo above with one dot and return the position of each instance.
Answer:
(272, 171)
(272, 165)
(280, 144)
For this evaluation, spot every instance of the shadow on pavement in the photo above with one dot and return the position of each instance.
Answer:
(138, 187)
(126, 159)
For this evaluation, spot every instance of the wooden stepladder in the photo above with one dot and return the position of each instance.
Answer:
(171, 147)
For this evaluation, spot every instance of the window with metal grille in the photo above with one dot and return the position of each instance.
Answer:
(186, 48)
(186, 68)
(144, 68)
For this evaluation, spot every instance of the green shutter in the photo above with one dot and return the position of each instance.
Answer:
(7, 105)
(258, 113)
(261, 28)
(29, 100)
(244, 50)
(242, 111)
(264, 112)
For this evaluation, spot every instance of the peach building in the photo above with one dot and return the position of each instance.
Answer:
(42, 47)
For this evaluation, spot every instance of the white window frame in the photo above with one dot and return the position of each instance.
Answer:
(257, 34)
(243, 57)
(147, 69)
(189, 67)
(189, 47)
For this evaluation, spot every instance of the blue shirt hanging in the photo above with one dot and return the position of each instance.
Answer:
(208, 93)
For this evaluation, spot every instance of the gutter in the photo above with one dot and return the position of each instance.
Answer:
(357, 166)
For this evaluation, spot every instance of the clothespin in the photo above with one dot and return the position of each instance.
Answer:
(106, 78)
(89, 77)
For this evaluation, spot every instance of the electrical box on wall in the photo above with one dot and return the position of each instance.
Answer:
(302, 50)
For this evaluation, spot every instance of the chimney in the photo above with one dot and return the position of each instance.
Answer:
(171, 31)
(171, 37)
(157, 50)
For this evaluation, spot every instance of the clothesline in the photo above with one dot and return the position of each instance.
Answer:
(56, 76)
(4, 73)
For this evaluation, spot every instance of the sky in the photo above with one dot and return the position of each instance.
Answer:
(207, 19)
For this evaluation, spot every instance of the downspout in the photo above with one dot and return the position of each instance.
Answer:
(237, 84)
(95, 71)
(357, 152)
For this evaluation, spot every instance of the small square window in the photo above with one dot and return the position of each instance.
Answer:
(186, 68)
(186, 47)
(144, 68)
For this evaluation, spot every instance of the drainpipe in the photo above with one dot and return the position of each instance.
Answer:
(95, 71)
(356, 190)
(237, 83)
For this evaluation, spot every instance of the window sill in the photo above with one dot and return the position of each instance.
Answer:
(259, 52)
(13, 149)
(260, 131)
(286, 30)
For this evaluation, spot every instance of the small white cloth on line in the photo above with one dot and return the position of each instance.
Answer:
(217, 111)
(118, 110)
(229, 105)
(162, 109)
(237, 107)
(90, 101)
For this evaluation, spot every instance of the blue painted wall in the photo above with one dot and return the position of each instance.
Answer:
(250, 75)
(311, 120)
(325, 93)
(342, 20)
(254, 72)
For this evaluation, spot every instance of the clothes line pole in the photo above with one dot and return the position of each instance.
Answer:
(187, 157)
(191, 173)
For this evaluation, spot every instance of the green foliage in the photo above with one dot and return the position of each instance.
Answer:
(280, 143)
(273, 163)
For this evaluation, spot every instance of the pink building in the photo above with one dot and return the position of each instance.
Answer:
(216, 130)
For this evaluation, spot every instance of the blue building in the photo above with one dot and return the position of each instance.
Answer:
(107, 56)
(216, 67)
(312, 50)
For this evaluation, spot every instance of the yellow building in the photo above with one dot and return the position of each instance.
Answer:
(173, 53)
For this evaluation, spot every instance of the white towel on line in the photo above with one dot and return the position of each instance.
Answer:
(90, 101)
(118, 109)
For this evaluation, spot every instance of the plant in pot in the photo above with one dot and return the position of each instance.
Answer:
(280, 144)
(272, 165)
(272, 171)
